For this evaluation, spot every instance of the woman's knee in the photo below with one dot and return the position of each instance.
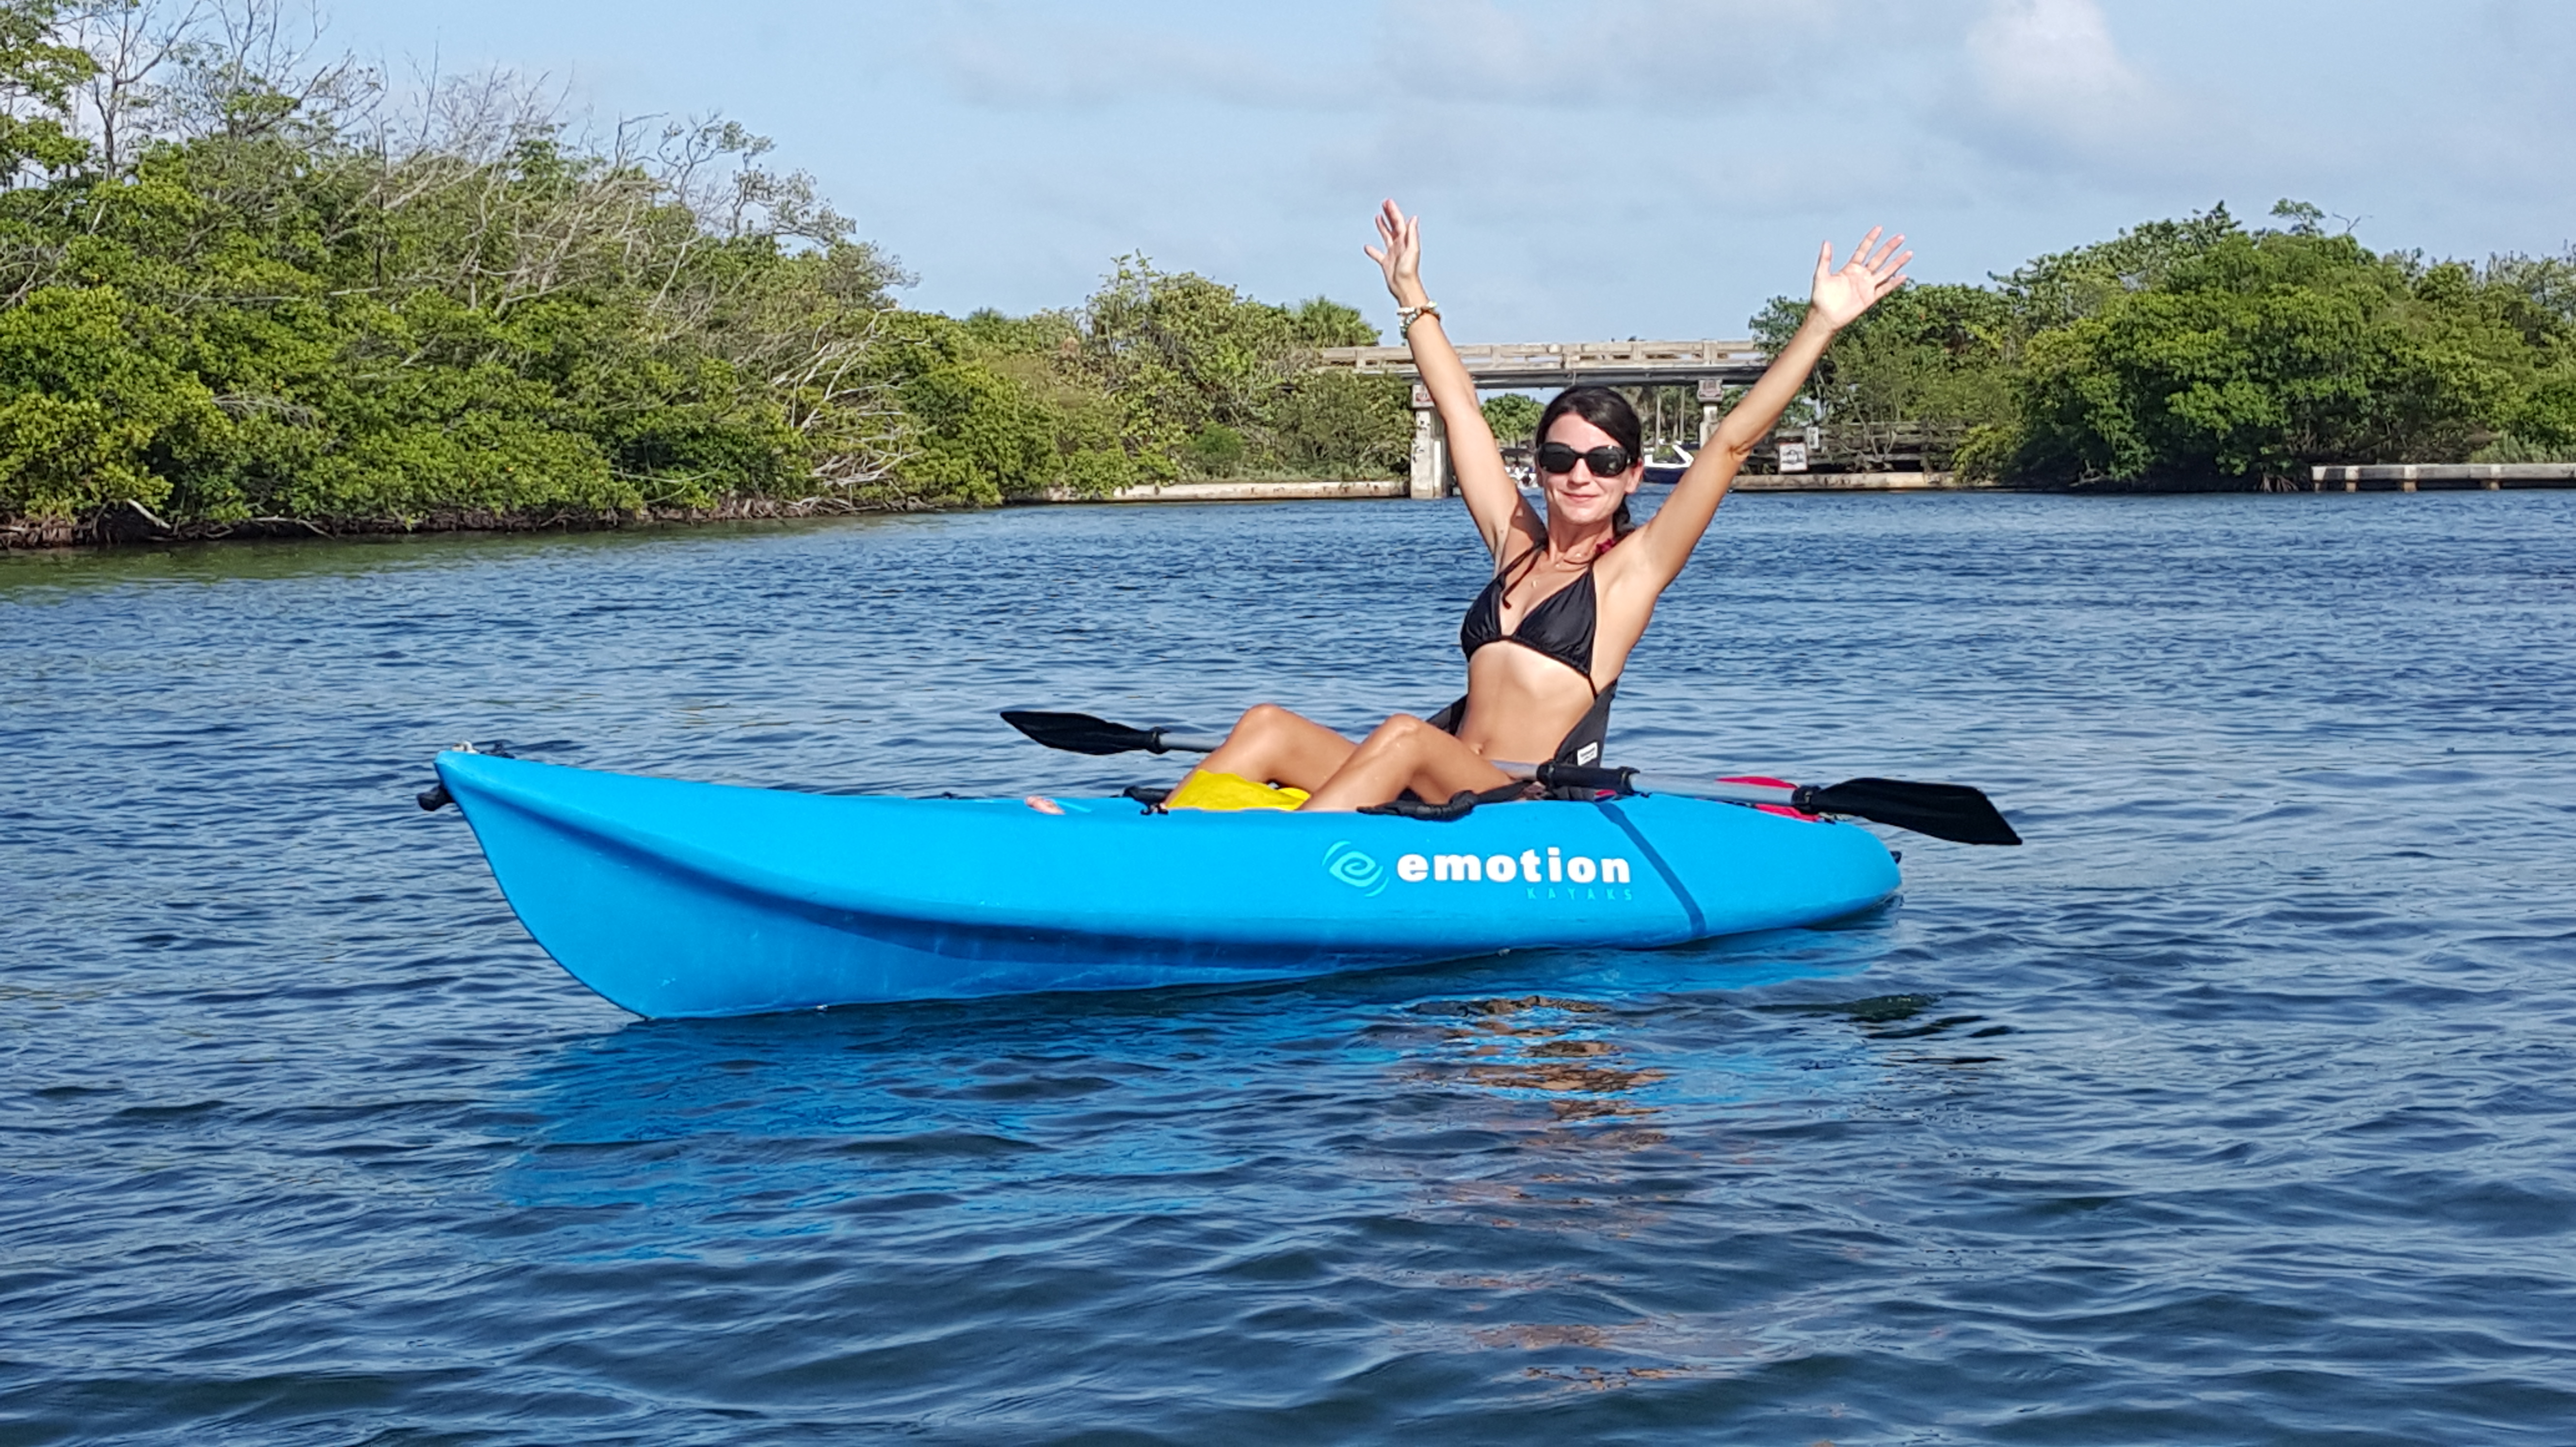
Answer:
(1261, 719)
(1401, 729)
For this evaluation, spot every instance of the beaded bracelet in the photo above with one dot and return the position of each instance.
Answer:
(1406, 316)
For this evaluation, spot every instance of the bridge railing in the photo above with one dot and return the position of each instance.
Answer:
(1515, 364)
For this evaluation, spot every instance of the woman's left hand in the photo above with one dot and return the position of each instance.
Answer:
(1841, 296)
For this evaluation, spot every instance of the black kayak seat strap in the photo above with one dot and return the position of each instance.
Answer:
(1460, 805)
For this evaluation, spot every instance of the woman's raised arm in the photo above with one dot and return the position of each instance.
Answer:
(1839, 296)
(1491, 498)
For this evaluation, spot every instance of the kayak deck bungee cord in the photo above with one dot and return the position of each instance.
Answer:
(671, 898)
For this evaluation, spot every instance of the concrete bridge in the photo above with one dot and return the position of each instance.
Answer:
(1503, 366)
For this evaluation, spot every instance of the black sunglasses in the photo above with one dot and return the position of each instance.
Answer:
(1607, 461)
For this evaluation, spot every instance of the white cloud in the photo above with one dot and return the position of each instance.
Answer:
(2052, 85)
(2051, 52)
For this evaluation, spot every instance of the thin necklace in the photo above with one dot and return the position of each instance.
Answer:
(1605, 545)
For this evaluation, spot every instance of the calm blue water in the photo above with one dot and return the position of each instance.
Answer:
(2239, 1107)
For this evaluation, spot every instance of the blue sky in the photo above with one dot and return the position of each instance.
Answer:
(1588, 168)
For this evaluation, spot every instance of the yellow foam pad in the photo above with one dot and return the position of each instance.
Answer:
(1221, 791)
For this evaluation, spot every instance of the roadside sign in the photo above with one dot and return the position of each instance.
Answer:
(1793, 457)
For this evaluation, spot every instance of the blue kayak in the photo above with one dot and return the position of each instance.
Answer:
(672, 898)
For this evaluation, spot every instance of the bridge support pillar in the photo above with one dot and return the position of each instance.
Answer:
(1431, 476)
(1710, 395)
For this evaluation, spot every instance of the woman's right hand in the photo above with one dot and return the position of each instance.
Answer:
(1400, 255)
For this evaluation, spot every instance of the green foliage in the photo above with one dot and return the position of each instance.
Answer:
(1156, 376)
(1182, 353)
(255, 297)
(2509, 448)
(273, 311)
(1217, 451)
(2065, 287)
(1341, 424)
(38, 71)
(2543, 289)
(262, 295)
(2262, 354)
(2191, 352)
(1513, 416)
(1161, 375)
(88, 397)
(1322, 322)
(1925, 366)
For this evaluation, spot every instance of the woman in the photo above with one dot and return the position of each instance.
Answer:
(1572, 589)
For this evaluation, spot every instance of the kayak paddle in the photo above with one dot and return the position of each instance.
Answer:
(1954, 812)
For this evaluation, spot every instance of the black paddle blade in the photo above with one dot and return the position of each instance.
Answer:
(1080, 733)
(1944, 811)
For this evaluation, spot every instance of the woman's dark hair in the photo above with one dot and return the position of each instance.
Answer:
(1611, 413)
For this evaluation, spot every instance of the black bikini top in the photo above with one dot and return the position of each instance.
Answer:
(1558, 626)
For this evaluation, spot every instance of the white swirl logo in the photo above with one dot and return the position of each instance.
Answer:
(1353, 868)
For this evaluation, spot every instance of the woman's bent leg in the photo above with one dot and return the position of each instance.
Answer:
(1405, 753)
(1270, 745)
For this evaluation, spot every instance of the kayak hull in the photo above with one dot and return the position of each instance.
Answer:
(674, 899)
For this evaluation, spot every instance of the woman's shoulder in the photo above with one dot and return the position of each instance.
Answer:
(1524, 533)
(1631, 562)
